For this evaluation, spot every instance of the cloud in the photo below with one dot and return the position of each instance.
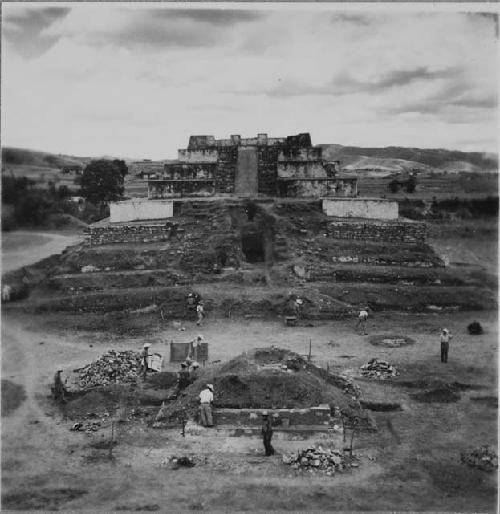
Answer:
(217, 17)
(345, 84)
(351, 19)
(24, 28)
(153, 28)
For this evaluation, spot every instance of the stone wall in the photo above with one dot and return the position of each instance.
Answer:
(226, 169)
(130, 233)
(306, 188)
(371, 208)
(179, 188)
(371, 230)
(281, 418)
(267, 170)
(131, 210)
(204, 155)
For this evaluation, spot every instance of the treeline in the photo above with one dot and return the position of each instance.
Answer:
(26, 205)
(445, 209)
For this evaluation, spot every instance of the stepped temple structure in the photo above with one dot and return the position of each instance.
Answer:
(260, 166)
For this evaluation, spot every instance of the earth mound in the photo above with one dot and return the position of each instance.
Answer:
(265, 378)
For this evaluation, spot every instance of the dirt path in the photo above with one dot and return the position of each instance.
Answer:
(21, 248)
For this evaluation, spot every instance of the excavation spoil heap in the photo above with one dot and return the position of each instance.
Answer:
(112, 368)
(482, 457)
(376, 368)
(264, 378)
(319, 460)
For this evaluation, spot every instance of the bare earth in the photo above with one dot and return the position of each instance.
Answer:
(417, 458)
(411, 463)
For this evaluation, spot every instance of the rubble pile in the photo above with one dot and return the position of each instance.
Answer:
(113, 367)
(482, 457)
(377, 368)
(318, 460)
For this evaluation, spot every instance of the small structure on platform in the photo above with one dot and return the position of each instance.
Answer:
(368, 208)
(137, 210)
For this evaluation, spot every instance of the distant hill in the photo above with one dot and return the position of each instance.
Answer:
(399, 159)
(21, 156)
(391, 159)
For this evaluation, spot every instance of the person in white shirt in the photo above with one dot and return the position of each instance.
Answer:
(206, 400)
(199, 313)
(445, 344)
(362, 317)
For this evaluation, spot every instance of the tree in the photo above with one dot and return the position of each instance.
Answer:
(102, 181)
(123, 167)
(393, 186)
(411, 184)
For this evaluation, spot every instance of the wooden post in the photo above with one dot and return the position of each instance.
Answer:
(310, 346)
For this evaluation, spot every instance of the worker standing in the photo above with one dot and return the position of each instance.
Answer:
(267, 434)
(145, 359)
(59, 387)
(445, 344)
(206, 400)
(362, 318)
(183, 376)
(199, 313)
(297, 308)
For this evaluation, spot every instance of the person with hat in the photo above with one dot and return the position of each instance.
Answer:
(267, 434)
(297, 307)
(183, 379)
(362, 318)
(206, 400)
(59, 389)
(194, 346)
(445, 344)
(199, 312)
(145, 359)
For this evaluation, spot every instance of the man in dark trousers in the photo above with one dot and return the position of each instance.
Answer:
(267, 434)
(445, 344)
(59, 388)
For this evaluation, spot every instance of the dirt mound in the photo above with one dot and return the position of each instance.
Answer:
(112, 367)
(390, 340)
(267, 378)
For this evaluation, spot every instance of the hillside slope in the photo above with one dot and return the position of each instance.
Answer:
(394, 159)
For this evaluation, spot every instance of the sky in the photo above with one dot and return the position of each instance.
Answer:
(136, 80)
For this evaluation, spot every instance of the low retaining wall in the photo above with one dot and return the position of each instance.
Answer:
(102, 234)
(371, 208)
(132, 210)
(286, 418)
(371, 230)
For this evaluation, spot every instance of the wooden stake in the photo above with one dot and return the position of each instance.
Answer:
(310, 346)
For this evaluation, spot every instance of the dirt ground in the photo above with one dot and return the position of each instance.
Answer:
(411, 463)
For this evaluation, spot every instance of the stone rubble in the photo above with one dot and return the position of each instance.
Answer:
(318, 460)
(113, 367)
(482, 457)
(377, 368)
